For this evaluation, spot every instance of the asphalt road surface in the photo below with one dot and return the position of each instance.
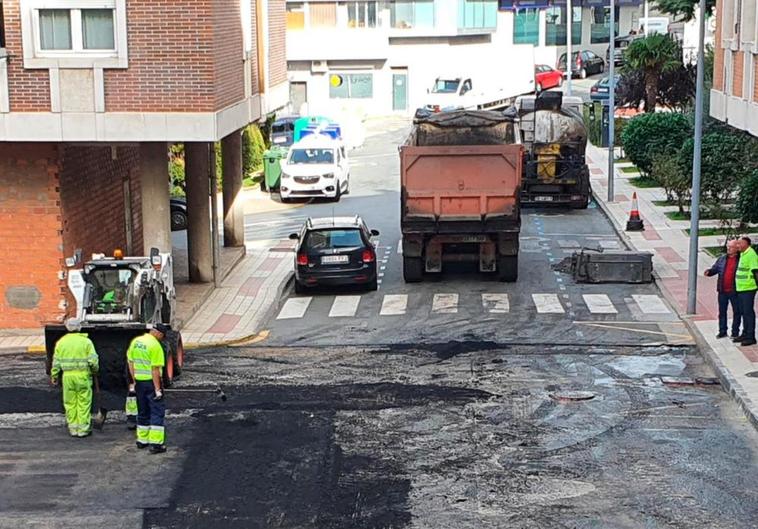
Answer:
(458, 403)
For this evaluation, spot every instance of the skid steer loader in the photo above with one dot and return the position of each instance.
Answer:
(117, 299)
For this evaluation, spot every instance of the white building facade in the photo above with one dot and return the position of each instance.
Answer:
(380, 57)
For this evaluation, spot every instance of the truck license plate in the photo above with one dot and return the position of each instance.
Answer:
(543, 199)
(334, 259)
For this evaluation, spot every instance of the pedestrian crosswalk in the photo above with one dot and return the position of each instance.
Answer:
(451, 303)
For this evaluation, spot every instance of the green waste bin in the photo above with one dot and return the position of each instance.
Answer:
(272, 171)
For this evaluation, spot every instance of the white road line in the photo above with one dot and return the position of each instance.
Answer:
(445, 303)
(394, 305)
(344, 306)
(400, 247)
(548, 304)
(496, 303)
(650, 304)
(294, 308)
(599, 304)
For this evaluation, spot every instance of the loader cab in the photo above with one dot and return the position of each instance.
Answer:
(109, 289)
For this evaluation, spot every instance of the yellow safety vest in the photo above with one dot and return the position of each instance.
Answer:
(145, 352)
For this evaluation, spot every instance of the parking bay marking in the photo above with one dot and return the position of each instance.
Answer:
(599, 304)
(496, 303)
(445, 303)
(650, 304)
(548, 304)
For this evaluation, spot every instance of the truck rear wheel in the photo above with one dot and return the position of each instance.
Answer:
(507, 268)
(413, 269)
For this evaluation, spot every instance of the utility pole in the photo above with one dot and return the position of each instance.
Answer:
(647, 15)
(695, 206)
(611, 104)
(569, 48)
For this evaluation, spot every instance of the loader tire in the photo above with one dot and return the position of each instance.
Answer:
(176, 344)
(413, 269)
(507, 268)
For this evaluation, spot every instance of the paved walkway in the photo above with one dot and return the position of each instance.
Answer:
(669, 243)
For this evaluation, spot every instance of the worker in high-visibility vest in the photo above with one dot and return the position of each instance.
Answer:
(146, 359)
(76, 358)
(746, 280)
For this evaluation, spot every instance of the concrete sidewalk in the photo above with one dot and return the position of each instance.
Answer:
(669, 243)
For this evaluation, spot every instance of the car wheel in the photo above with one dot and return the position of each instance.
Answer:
(539, 88)
(300, 288)
(284, 199)
(560, 81)
(347, 186)
(338, 193)
(178, 221)
(583, 74)
(602, 67)
(373, 285)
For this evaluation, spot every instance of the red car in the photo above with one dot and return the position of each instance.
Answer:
(546, 77)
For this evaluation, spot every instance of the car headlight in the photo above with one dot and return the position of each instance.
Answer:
(285, 176)
(329, 175)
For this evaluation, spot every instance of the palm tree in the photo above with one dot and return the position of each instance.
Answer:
(652, 55)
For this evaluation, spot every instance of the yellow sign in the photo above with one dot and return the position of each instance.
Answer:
(335, 80)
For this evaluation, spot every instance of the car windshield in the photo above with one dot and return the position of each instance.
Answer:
(446, 86)
(111, 289)
(282, 128)
(333, 238)
(306, 156)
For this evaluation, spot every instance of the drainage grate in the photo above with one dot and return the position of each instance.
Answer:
(570, 396)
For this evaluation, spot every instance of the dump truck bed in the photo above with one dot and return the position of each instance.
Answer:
(461, 188)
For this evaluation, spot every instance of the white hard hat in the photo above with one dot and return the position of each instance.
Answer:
(73, 325)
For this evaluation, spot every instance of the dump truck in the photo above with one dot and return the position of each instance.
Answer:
(117, 299)
(461, 177)
(552, 130)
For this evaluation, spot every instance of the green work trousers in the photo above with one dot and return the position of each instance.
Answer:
(77, 401)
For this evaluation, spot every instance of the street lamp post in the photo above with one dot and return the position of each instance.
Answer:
(611, 103)
(695, 206)
(569, 48)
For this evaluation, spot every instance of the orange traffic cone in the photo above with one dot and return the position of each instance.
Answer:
(635, 223)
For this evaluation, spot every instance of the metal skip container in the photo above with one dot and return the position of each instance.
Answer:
(590, 266)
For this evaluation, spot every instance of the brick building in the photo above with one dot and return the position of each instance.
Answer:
(734, 97)
(92, 92)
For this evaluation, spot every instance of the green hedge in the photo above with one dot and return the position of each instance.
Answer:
(650, 135)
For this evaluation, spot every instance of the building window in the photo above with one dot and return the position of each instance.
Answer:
(351, 86)
(555, 26)
(477, 14)
(601, 24)
(526, 26)
(75, 30)
(407, 14)
(361, 14)
(322, 14)
(295, 16)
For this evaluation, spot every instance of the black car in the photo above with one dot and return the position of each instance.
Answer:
(584, 63)
(335, 251)
(178, 214)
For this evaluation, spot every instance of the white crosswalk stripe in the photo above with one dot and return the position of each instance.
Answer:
(650, 304)
(294, 308)
(496, 303)
(445, 303)
(344, 306)
(548, 304)
(394, 305)
(599, 304)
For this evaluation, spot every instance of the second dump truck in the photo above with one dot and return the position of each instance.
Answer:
(461, 179)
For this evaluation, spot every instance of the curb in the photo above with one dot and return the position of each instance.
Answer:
(728, 382)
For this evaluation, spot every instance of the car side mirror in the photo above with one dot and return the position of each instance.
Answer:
(294, 236)
(375, 233)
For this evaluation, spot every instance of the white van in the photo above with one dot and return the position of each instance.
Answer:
(316, 166)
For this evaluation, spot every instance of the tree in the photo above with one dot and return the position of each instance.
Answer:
(747, 199)
(669, 174)
(658, 134)
(676, 88)
(684, 8)
(653, 56)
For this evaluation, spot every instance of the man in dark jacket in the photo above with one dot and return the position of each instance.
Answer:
(726, 270)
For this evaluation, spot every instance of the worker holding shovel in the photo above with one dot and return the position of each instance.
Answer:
(75, 357)
(146, 360)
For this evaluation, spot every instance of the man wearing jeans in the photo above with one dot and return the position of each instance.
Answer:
(747, 285)
(726, 270)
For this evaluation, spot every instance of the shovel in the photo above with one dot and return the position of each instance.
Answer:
(99, 419)
(217, 390)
